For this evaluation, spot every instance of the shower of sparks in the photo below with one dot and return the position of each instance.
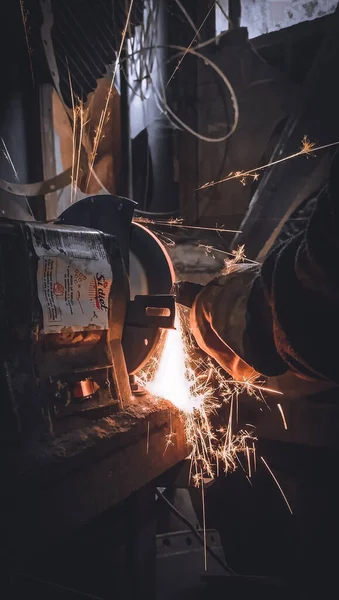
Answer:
(104, 112)
(24, 14)
(282, 415)
(191, 44)
(173, 360)
(278, 484)
(198, 389)
(307, 148)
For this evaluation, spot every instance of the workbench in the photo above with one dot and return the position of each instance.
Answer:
(61, 486)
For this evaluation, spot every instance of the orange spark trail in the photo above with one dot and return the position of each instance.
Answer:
(278, 484)
(109, 93)
(248, 462)
(147, 441)
(81, 115)
(307, 148)
(191, 44)
(73, 184)
(179, 223)
(282, 415)
(210, 249)
(254, 456)
(248, 385)
(8, 157)
(204, 520)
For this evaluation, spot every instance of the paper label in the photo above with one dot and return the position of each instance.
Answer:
(73, 284)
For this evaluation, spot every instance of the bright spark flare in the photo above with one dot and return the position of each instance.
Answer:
(173, 379)
(192, 385)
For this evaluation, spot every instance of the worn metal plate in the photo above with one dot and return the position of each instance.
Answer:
(180, 563)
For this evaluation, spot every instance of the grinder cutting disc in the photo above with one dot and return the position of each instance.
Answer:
(151, 272)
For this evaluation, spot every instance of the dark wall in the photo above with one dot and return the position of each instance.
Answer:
(22, 71)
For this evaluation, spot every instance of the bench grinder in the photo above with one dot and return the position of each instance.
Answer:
(83, 301)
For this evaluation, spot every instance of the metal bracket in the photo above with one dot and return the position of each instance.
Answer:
(151, 311)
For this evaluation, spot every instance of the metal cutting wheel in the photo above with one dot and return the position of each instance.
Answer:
(151, 272)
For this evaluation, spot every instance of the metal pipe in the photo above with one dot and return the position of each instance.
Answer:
(125, 187)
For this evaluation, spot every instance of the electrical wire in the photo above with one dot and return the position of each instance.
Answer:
(160, 98)
(148, 33)
(147, 30)
(167, 110)
(199, 537)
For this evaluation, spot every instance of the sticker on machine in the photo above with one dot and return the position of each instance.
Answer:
(73, 293)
